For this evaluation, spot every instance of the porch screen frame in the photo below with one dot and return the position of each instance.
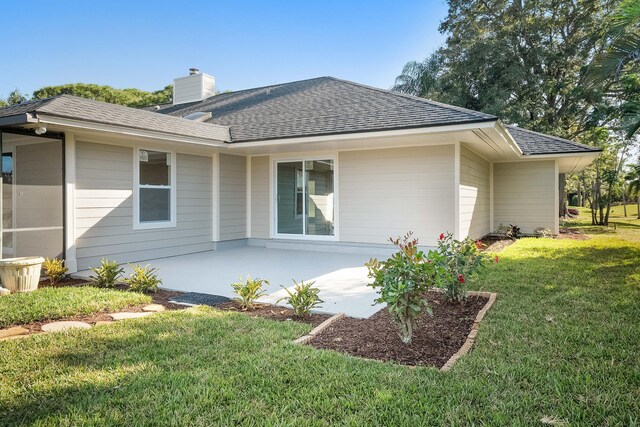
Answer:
(48, 135)
(275, 160)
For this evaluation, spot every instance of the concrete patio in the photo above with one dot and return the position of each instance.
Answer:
(341, 277)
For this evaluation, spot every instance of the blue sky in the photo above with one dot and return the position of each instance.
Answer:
(243, 44)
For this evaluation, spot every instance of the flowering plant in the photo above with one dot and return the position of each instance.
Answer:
(458, 262)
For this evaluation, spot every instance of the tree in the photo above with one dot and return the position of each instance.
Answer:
(128, 97)
(617, 66)
(523, 61)
(633, 183)
(15, 97)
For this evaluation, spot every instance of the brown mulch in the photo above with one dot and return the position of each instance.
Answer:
(573, 234)
(274, 312)
(495, 243)
(435, 339)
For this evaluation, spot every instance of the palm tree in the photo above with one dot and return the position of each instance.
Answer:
(420, 78)
(619, 62)
(633, 180)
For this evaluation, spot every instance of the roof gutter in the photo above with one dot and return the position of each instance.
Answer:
(508, 138)
(19, 119)
(127, 131)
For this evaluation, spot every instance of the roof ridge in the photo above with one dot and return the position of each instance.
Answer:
(414, 98)
(577, 144)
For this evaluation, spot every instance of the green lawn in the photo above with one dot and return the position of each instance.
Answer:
(560, 343)
(55, 303)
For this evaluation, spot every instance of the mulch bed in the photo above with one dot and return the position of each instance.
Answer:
(435, 338)
(274, 312)
(495, 243)
(572, 233)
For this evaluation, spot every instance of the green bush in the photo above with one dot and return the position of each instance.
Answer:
(107, 274)
(55, 270)
(143, 279)
(303, 298)
(457, 263)
(249, 291)
(402, 282)
(509, 231)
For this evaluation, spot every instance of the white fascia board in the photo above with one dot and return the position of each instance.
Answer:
(122, 130)
(363, 135)
(504, 133)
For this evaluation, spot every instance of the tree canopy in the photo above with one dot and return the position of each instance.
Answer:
(128, 97)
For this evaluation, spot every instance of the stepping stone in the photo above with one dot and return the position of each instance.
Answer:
(64, 326)
(126, 315)
(153, 308)
(4, 291)
(12, 332)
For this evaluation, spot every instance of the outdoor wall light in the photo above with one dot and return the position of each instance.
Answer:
(41, 130)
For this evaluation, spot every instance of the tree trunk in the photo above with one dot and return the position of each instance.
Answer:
(562, 193)
(624, 201)
(638, 205)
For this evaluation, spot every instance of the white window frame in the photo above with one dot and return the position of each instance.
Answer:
(145, 225)
(274, 199)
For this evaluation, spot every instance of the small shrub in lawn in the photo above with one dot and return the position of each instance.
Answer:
(143, 279)
(249, 291)
(457, 262)
(107, 274)
(543, 232)
(303, 298)
(509, 231)
(402, 281)
(55, 270)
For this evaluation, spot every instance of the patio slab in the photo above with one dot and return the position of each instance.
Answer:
(341, 277)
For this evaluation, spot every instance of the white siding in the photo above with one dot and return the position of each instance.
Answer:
(233, 197)
(386, 193)
(260, 205)
(104, 208)
(524, 194)
(474, 195)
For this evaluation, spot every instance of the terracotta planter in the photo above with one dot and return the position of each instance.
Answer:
(20, 274)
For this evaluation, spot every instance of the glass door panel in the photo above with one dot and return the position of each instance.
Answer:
(290, 202)
(319, 197)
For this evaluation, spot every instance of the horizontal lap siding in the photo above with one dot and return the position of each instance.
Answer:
(233, 197)
(104, 208)
(260, 197)
(474, 195)
(524, 194)
(384, 193)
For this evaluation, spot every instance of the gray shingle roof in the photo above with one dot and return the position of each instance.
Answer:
(77, 108)
(532, 143)
(322, 106)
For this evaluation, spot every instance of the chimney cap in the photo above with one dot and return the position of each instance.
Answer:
(193, 71)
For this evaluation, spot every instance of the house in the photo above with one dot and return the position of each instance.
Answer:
(320, 164)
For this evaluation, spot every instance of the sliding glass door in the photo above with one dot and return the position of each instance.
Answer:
(305, 197)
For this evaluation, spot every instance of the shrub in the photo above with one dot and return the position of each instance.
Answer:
(458, 263)
(543, 232)
(143, 279)
(55, 270)
(249, 291)
(402, 281)
(303, 298)
(509, 231)
(107, 274)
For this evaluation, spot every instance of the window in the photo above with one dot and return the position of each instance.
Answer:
(155, 202)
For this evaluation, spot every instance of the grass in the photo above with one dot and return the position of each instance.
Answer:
(55, 303)
(560, 344)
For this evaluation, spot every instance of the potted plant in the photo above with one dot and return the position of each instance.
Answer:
(20, 274)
